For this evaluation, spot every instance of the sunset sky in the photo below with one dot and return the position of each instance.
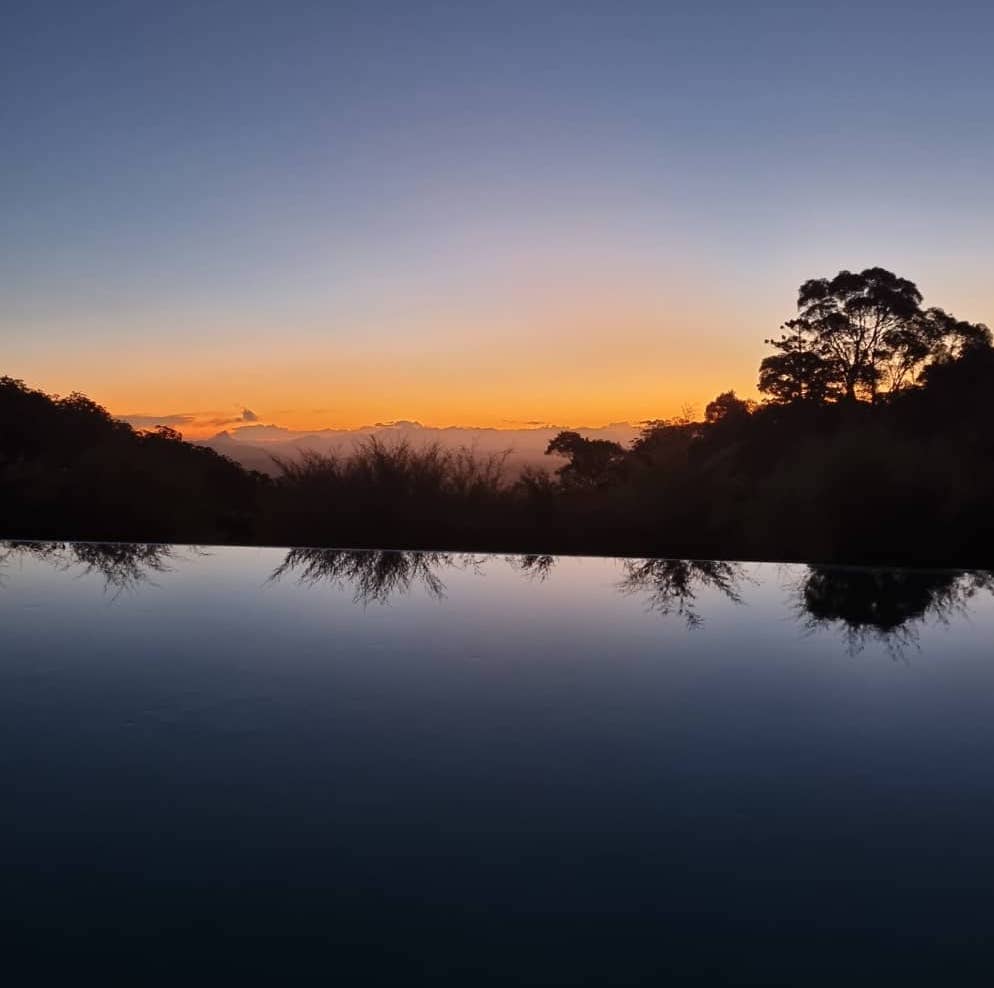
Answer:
(333, 214)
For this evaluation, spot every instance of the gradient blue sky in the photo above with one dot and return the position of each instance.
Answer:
(470, 213)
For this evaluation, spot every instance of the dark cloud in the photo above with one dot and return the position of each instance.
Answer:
(525, 423)
(265, 432)
(191, 420)
(150, 421)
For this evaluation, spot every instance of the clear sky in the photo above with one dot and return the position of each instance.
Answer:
(471, 213)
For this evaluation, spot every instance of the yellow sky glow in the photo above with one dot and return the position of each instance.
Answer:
(573, 372)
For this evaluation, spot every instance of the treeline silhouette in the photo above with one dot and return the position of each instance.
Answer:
(872, 444)
(860, 605)
(70, 470)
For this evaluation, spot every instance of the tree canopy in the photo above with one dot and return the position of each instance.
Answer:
(591, 461)
(859, 336)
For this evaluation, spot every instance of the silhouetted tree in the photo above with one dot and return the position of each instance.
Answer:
(965, 380)
(859, 336)
(666, 443)
(592, 462)
(727, 409)
(860, 323)
(797, 372)
(934, 337)
(726, 418)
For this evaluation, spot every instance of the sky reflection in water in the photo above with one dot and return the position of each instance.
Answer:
(531, 769)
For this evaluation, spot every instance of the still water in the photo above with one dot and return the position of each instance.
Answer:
(431, 768)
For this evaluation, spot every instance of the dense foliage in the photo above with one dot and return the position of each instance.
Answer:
(873, 444)
(68, 469)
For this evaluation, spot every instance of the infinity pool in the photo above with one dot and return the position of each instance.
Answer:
(435, 768)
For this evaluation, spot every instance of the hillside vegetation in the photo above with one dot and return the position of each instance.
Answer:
(873, 444)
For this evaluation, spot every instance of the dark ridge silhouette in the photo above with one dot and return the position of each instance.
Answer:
(872, 445)
(67, 469)
(885, 605)
(670, 586)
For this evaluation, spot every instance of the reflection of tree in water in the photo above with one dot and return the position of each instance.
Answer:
(533, 565)
(671, 585)
(890, 606)
(374, 575)
(124, 566)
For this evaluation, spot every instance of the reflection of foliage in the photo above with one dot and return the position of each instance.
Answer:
(671, 585)
(535, 566)
(123, 565)
(889, 606)
(374, 575)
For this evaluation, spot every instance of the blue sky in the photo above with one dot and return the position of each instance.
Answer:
(471, 212)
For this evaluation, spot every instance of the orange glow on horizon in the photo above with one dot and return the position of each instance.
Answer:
(592, 363)
(586, 397)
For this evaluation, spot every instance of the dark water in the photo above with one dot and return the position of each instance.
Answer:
(381, 768)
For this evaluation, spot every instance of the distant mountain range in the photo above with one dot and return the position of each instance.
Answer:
(259, 447)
